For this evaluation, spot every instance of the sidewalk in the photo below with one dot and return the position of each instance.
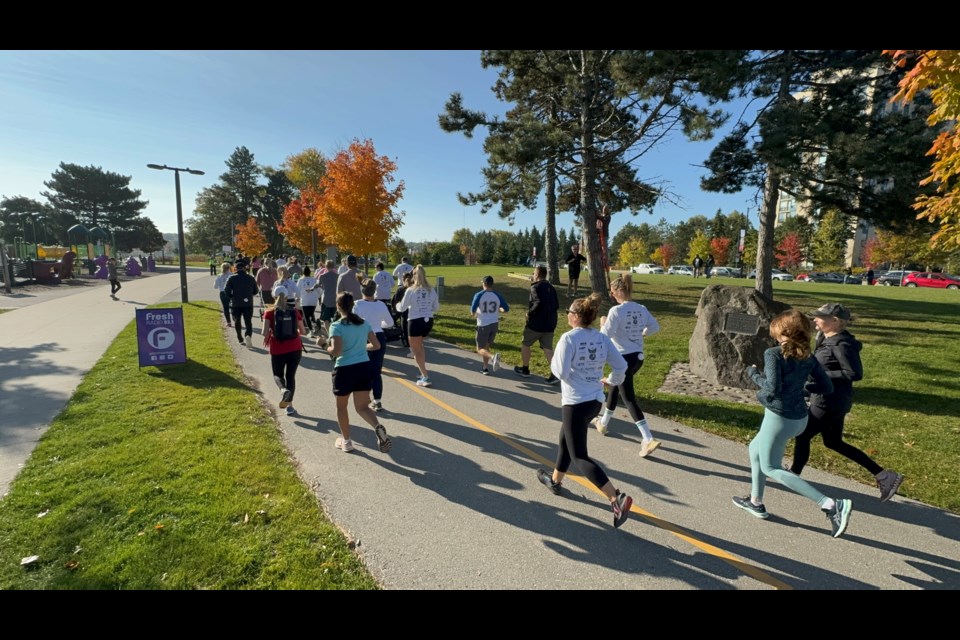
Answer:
(456, 505)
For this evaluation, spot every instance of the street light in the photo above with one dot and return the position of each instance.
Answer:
(180, 244)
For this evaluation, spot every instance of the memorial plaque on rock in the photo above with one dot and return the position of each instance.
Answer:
(742, 323)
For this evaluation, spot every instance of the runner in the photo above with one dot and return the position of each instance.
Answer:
(487, 306)
(283, 326)
(541, 322)
(220, 285)
(377, 315)
(422, 302)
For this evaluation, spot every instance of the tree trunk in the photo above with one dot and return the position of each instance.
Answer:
(765, 247)
(550, 222)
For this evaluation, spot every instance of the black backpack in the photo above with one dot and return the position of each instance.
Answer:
(284, 324)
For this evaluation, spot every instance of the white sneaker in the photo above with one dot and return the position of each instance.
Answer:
(648, 447)
(599, 425)
(376, 406)
(424, 382)
(344, 445)
(248, 341)
(495, 363)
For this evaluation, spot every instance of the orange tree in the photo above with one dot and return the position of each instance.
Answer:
(352, 205)
(250, 239)
(664, 255)
(938, 71)
(298, 225)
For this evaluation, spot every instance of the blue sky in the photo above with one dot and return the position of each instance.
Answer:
(120, 110)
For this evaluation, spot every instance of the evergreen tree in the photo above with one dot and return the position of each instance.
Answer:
(95, 197)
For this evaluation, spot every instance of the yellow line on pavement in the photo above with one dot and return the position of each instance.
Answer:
(745, 567)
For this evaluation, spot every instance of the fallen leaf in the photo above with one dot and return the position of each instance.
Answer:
(73, 564)
(158, 527)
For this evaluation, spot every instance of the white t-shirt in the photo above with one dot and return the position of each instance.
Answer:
(375, 313)
(289, 285)
(626, 325)
(421, 303)
(308, 298)
(578, 361)
(486, 305)
(401, 269)
(384, 284)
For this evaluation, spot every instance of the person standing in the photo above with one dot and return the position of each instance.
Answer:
(627, 325)
(697, 266)
(113, 277)
(709, 267)
(541, 323)
(241, 288)
(283, 326)
(422, 303)
(377, 315)
(309, 298)
(785, 371)
(487, 305)
(384, 284)
(351, 338)
(578, 361)
(839, 354)
(213, 265)
(220, 284)
(574, 261)
(402, 269)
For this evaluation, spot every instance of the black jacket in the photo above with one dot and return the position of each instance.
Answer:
(840, 357)
(542, 312)
(241, 289)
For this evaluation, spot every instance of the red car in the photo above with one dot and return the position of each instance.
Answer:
(927, 279)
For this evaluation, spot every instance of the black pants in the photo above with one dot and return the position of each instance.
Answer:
(573, 441)
(247, 314)
(308, 316)
(626, 388)
(285, 367)
(225, 303)
(830, 425)
(213, 269)
(114, 286)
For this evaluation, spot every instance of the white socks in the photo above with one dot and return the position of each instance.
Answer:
(644, 430)
(827, 504)
(605, 418)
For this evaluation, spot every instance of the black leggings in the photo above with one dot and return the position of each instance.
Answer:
(830, 425)
(308, 317)
(573, 441)
(114, 286)
(225, 302)
(247, 314)
(626, 388)
(285, 367)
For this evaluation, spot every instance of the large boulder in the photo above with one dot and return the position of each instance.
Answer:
(721, 356)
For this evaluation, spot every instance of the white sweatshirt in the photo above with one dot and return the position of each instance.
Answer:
(578, 361)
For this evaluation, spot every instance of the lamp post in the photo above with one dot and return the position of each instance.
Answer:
(180, 244)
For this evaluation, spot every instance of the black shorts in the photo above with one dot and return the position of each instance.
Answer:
(353, 377)
(420, 328)
(327, 314)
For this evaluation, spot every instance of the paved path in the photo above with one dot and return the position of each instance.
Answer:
(455, 504)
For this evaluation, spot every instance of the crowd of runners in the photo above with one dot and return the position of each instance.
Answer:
(359, 315)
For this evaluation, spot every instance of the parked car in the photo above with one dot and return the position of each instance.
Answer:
(892, 278)
(927, 279)
(724, 272)
(647, 269)
(775, 274)
(832, 277)
(680, 270)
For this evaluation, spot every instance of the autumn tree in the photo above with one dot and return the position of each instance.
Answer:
(899, 248)
(937, 71)
(250, 239)
(298, 226)
(633, 251)
(869, 254)
(353, 204)
(790, 252)
(699, 246)
(829, 244)
(720, 249)
(664, 255)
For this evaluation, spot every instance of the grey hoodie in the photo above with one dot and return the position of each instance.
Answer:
(840, 357)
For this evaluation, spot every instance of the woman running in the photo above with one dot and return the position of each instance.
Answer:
(377, 315)
(283, 326)
(422, 302)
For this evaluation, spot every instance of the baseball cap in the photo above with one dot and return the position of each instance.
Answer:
(281, 291)
(833, 309)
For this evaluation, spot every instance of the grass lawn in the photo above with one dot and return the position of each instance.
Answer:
(169, 478)
(906, 411)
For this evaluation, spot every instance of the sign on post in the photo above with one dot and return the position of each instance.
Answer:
(160, 337)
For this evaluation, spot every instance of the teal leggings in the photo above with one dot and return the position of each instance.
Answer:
(766, 456)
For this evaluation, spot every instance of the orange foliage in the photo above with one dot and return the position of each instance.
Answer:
(298, 224)
(250, 239)
(720, 250)
(353, 208)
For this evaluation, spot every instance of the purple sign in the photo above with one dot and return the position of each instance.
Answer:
(160, 337)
